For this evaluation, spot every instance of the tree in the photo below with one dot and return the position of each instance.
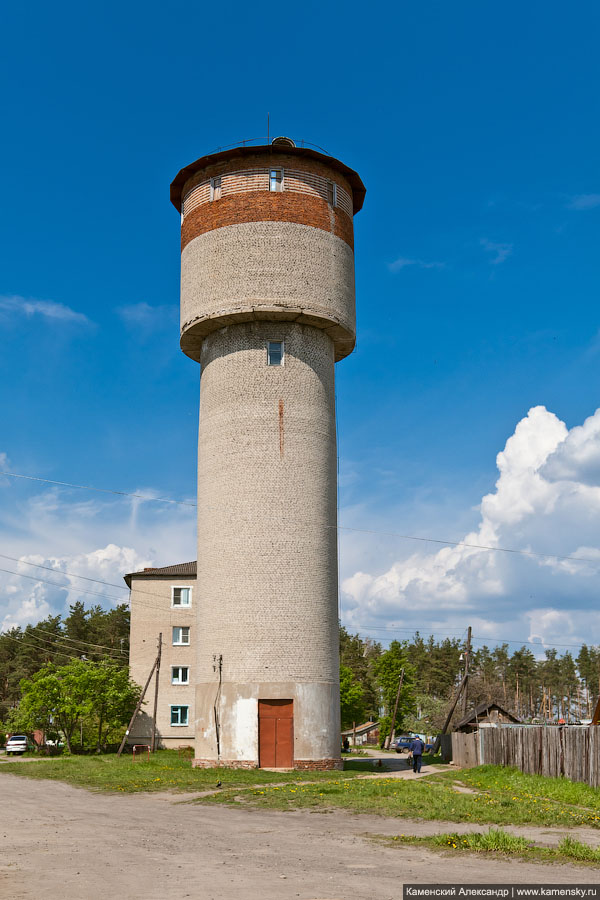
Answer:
(83, 692)
(113, 699)
(359, 656)
(388, 668)
(351, 698)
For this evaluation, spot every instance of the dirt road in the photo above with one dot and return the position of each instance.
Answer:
(65, 843)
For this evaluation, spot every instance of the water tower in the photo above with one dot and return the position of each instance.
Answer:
(267, 308)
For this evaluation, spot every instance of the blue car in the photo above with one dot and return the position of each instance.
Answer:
(405, 743)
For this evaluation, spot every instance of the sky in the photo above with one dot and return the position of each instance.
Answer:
(467, 412)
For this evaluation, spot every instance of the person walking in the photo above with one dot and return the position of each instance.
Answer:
(417, 748)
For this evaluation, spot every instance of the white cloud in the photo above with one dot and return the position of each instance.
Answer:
(584, 201)
(500, 252)
(99, 538)
(402, 262)
(546, 500)
(145, 318)
(45, 308)
(577, 458)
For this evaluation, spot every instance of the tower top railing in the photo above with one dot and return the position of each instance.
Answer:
(264, 141)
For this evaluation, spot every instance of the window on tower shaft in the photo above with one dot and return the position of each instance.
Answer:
(275, 179)
(275, 353)
(332, 193)
(215, 188)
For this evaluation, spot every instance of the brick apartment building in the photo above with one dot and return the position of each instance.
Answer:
(162, 601)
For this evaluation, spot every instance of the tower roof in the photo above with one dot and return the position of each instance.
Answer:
(358, 188)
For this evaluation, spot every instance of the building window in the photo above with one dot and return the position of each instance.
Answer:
(215, 188)
(181, 596)
(332, 193)
(274, 353)
(179, 715)
(275, 179)
(181, 635)
(180, 675)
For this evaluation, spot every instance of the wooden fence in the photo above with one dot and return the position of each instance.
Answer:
(571, 751)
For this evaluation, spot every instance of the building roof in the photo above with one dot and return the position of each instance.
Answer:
(362, 729)
(358, 188)
(186, 569)
(482, 710)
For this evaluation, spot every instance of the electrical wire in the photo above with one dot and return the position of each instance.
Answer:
(365, 629)
(395, 534)
(34, 638)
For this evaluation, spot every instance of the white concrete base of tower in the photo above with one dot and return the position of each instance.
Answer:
(231, 737)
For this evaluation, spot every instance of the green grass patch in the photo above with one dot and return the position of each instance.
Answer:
(505, 801)
(500, 842)
(166, 771)
(514, 783)
(576, 850)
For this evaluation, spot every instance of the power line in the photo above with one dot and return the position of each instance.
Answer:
(64, 637)
(392, 628)
(59, 572)
(63, 587)
(19, 641)
(55, 643)
(88, 487)
(395, 534)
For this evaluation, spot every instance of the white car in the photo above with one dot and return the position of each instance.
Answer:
(16, 744)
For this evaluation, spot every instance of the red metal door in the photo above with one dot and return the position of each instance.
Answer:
(276, 734)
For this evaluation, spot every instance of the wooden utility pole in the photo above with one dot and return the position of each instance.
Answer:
(153, 743)
(437, 742)
(466, 673)
(596, 716)
(390, 736)
(138, 707)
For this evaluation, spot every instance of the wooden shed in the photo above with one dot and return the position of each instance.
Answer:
(486, 714)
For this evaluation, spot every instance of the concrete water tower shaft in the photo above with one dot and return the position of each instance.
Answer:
(267, 308)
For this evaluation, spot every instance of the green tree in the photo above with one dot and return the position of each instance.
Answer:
(388, 668)
(351, 698)
(113, 699)
(359, 656)
(82, 693)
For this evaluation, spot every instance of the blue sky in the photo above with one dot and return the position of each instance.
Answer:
(475, 128)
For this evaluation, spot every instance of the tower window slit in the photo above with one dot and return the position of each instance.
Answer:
(275, 353)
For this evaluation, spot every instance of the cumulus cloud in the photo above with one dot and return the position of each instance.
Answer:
(98, 538)
(45, 308)
(499, 252)
(584, 201)
(577, 458)
(546, 501)
(403, 262)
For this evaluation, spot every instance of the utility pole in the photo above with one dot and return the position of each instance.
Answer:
(153, 743)
(390, 736)
(466, 672)
(138, 707)
(437, 742)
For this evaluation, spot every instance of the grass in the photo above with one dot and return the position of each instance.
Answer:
(500, 842)
(505, 796)
(166, 771)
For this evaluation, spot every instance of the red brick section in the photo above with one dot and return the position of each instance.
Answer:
(225, 764)
(272, 161)
(264, 206)
(303, 765)
(318, 765)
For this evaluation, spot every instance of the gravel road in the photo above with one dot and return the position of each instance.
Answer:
(66, 843)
